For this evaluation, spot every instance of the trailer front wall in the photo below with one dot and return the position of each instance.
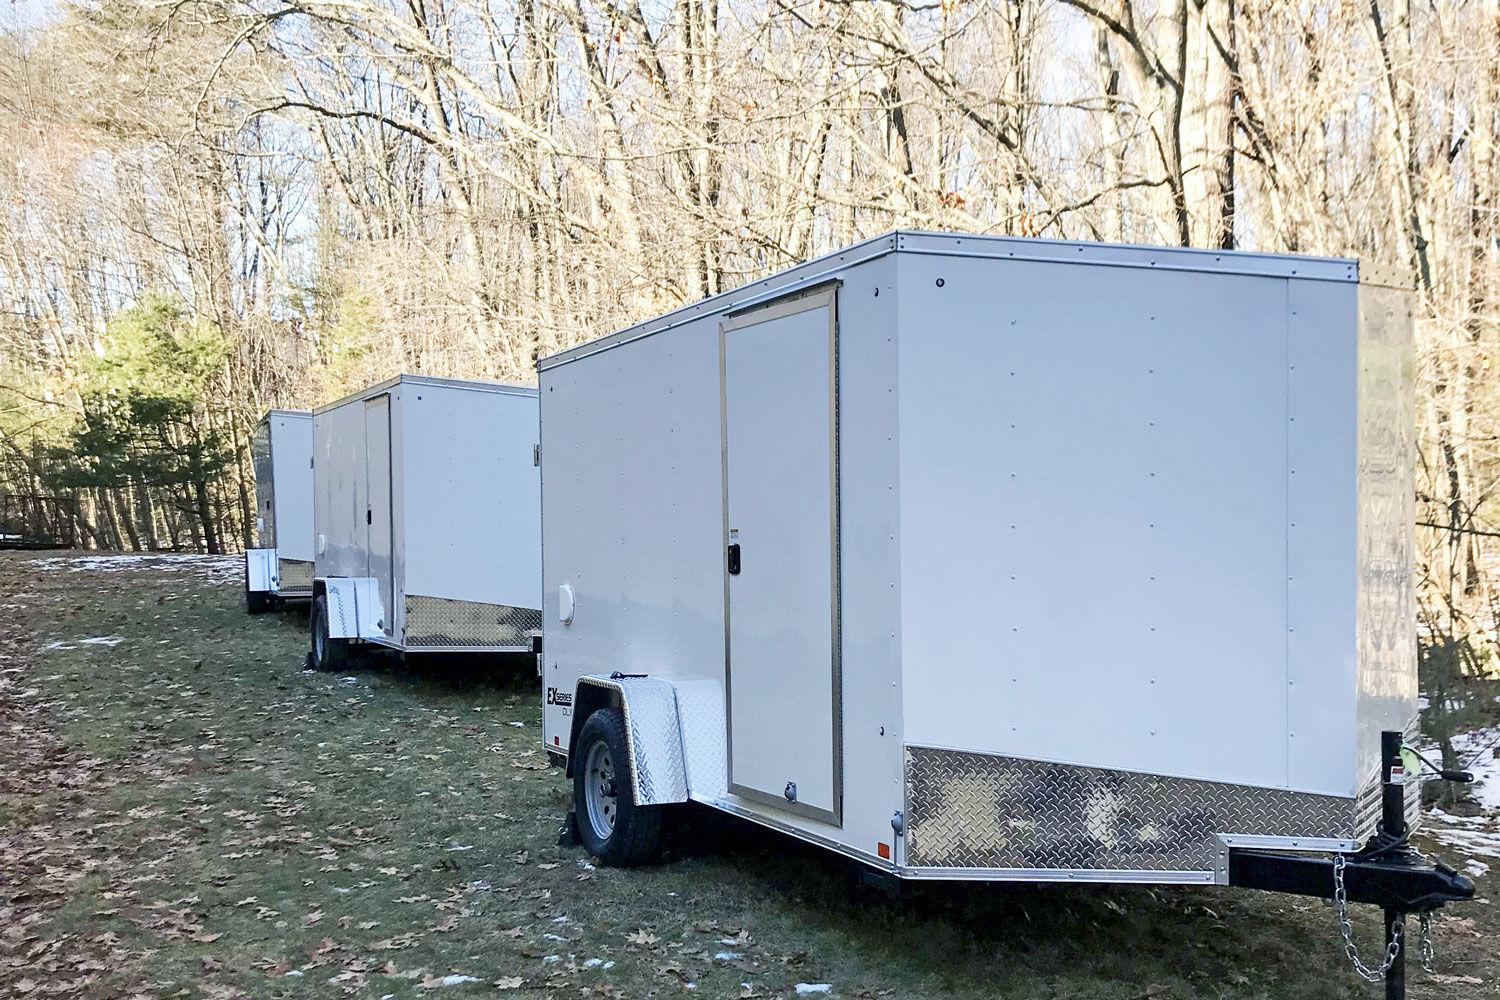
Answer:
(1127, 534)
(471, 495)
(633, 523)
(291, 459)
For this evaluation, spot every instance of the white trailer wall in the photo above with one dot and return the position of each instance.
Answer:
(1097, 509)
(471, 490)
(1142, 548)
(291, 457)
(634, 525)
(340, 490)
(446, 471)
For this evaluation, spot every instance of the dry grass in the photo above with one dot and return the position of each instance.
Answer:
(187, 813)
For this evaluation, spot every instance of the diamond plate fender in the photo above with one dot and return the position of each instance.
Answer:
(260, 570)
(658, 775)
(354, 608)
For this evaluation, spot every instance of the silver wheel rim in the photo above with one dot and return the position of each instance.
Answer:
(318, 640)
(599, 795)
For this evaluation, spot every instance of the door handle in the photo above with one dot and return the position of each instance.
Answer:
(734, 559)
(368, 519)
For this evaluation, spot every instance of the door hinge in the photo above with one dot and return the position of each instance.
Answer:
(369, 518)
(536, 455)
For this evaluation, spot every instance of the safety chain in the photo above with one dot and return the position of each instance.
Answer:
(1341, 903)
(1425, 949)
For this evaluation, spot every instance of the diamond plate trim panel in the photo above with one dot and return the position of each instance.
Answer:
(438, 622)
(658, 773)
(705, 753)
(294, 577)
(968, 810)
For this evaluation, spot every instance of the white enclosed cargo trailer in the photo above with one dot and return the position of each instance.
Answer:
(990, 558)
(281, 569)
(427, 519)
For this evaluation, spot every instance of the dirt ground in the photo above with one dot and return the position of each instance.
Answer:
(184, 811)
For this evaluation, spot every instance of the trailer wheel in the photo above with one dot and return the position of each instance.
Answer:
(327, 653)
(611, 825)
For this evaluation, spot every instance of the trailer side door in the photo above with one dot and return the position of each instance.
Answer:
(781, 553)
(378, 523)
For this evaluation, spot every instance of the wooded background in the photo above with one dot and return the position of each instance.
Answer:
(209, 207)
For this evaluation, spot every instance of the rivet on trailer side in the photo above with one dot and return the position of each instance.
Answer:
(427, 520)
(980, 558)
(280, 569)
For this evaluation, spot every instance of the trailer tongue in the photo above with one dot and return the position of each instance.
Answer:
(1388, 873)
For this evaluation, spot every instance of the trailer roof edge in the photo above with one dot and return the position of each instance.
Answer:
(283, 412)
(1240, 262)
(502, 388)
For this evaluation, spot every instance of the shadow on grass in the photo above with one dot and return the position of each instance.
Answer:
(449, 674)
(958, 934)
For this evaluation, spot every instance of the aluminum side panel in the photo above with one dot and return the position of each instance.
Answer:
(472, 511)
(1387, 653)
(1093, 511)
(291, 461)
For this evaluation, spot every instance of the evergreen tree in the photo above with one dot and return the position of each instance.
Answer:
(145, 423)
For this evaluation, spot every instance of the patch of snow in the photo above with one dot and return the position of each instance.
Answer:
(553, 937)
(593, 963)
(518, 725)
(1476, 868)
(59, 644)
(1473, 834)
(804, 989)
(455, 979)
(102, 640)
(213, 567)
(726, 956)
(1482, 745)
(552, 958)
(456, 847)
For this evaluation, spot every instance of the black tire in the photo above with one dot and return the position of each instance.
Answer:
(326, 653)
(258, 602)
(633, 836)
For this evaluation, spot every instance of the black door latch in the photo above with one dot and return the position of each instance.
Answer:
(734, 559)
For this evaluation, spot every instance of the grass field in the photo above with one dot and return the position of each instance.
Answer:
(185, 812)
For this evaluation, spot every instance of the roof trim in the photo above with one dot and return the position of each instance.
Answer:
(472, 385)
(826, 267)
